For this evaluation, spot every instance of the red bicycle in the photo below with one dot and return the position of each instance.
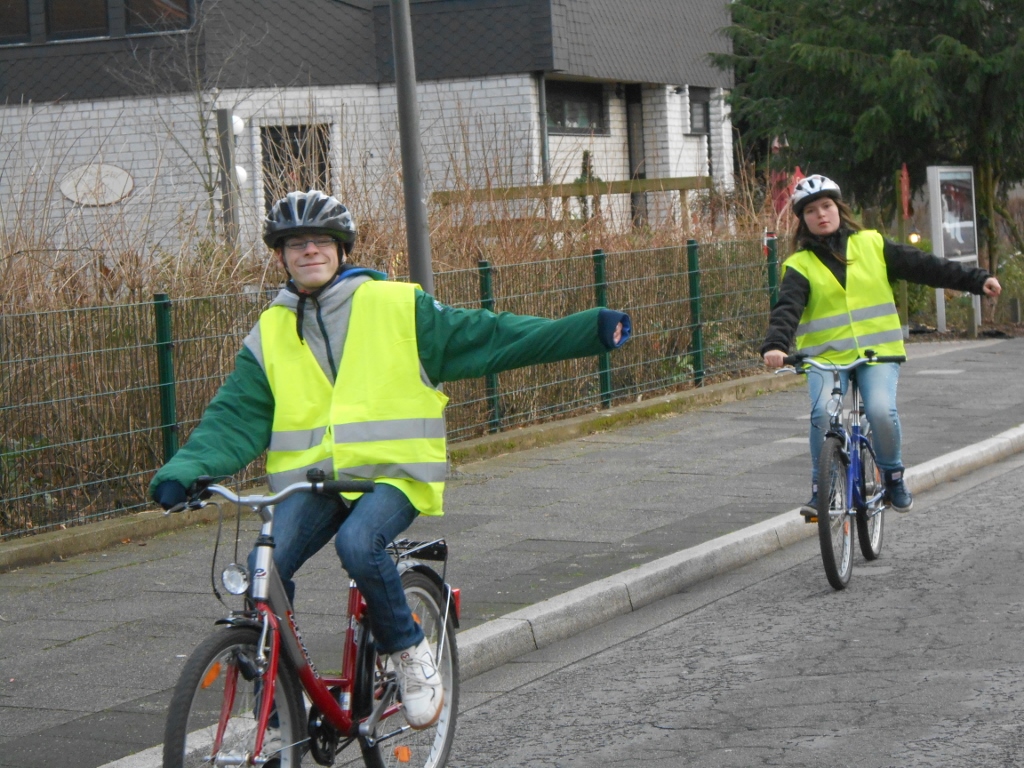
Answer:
(239, 700)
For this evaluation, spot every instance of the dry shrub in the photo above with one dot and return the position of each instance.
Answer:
(82, 428)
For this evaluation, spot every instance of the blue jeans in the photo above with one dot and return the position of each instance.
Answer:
(305, 522)
(877, 394)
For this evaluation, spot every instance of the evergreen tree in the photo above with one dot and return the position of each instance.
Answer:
(856, 88)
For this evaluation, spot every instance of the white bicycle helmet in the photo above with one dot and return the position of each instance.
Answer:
(811, 188)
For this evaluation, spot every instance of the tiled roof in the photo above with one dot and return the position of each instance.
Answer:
(240, 43)
(656, 41)
(470, 38)
(258, 43)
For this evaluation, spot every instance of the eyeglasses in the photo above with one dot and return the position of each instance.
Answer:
(298, 245)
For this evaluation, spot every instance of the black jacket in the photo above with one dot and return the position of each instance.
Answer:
(903, 262)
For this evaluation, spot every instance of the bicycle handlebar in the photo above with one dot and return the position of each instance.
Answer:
(796, 360)
(204, 486)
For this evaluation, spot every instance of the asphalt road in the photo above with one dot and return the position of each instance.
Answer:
(917, 663)
(549, 543)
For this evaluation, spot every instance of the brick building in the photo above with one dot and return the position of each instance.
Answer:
(110, 106)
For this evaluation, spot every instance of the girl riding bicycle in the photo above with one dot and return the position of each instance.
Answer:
(836, 302)
(341, 374)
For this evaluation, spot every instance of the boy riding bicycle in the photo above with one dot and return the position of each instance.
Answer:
(340, 373)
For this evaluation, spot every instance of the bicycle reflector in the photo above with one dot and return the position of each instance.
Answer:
(403, 754)
(235, 579)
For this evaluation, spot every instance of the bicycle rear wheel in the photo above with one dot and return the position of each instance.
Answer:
(870, 515)
(835, 531)
(395, 744)
(219, 678)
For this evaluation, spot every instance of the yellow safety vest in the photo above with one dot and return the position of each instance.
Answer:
(380, 421)
(839, 324)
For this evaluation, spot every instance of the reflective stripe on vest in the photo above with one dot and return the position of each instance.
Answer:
(297, 439)
(379, 422)
(393, 429)
(841, 324)
(282, 479)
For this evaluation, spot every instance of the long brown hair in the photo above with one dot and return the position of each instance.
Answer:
(803, 238)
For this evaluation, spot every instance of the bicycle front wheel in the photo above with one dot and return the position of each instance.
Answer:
(871, 514)
(835, 531)
(395, 743)
(212, 718)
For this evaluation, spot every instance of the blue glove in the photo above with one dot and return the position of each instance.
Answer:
(169, 493)
(607, 321)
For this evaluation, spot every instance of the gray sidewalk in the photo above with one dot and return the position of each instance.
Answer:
(546, 542)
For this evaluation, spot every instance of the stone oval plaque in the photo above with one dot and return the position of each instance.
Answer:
(97, 184)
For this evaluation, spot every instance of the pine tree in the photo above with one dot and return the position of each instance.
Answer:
(856, 88)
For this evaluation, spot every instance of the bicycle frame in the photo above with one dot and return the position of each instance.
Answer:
(274, 615)
(852, 438)
(844, 497)
(850, 435)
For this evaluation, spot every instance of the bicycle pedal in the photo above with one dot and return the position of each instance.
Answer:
(810, 518)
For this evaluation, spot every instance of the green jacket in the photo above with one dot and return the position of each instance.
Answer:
(453, 344)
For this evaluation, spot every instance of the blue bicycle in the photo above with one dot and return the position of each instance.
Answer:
(849, 481)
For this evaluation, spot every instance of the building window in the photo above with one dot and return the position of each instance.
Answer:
(68, 19)
(575, 107)
(700, 111)
(14, 21)
(295, 158)
(156, 15)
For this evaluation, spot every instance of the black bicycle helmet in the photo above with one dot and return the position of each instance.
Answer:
(313, 212)
(812, 188)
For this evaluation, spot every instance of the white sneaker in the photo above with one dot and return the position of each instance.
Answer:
(420, 683)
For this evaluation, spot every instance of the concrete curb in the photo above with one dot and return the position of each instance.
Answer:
(501, 640)
(90, 537)
(958, 463)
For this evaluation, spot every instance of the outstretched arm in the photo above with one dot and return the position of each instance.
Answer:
(468, 343)
(904, 262)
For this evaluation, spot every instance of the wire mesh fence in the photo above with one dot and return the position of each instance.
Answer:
(85, 418)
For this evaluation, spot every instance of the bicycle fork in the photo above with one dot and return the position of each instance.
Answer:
(261, 672)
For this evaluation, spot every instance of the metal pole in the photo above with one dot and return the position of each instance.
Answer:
(545, 162)
(772, 248)
(165, 370)
(417, 227)
(491, 380)
(935, 206)
(697, 337)
(604, 360)
(228, 185)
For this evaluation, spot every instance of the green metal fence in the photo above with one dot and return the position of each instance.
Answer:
(93, 400)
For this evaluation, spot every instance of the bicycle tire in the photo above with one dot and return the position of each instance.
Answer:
(199, 697)
(870, 517)
(835, 530)
(430, 747)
